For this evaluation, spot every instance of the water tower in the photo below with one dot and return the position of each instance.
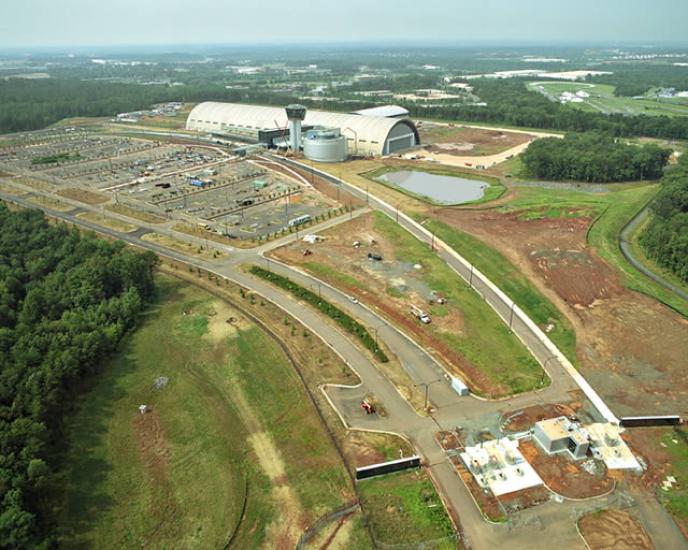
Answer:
(295, 113)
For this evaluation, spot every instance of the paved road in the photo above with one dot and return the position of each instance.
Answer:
(624, 243)
(401, 418)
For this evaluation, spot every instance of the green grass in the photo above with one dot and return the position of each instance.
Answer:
(602, 99)
(404, 509)
(326, 272)
(676, 499)
(485, 341)
(492, 192)
(516, 285)
(180, 480)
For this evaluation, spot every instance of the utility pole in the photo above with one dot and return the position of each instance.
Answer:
(511, 316)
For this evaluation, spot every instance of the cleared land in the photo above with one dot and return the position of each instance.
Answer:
(613, 530)
(629, 346)
(231, 427)
(135, 214)
(463, 141)
(83, 195)
(464, 332)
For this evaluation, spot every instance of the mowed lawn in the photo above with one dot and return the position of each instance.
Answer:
(232, 431)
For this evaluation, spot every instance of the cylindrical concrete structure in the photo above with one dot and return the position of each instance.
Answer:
(325, 145)
(295, 114)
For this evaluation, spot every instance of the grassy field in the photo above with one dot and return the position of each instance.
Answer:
(494, 191)
(232, 426)
(135, 214)
(602, 99)
(404, 509)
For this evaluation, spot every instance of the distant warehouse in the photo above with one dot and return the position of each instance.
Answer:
(366, 135)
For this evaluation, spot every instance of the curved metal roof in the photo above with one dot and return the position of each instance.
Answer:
(368, 132)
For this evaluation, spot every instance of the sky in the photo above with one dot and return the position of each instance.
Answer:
(63, 23)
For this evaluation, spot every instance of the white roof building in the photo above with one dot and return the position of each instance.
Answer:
(366, 135)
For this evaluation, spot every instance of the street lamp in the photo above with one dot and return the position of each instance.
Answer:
(427, 389)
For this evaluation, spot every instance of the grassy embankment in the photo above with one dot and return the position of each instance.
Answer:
(233, 425)
(348, 323)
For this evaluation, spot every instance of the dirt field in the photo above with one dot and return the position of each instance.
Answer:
(460, 141)
(565, 476)
(613, 530)
(631, 348)
(105, 221)
(518, 421)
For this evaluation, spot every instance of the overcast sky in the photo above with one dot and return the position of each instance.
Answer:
(25, 23)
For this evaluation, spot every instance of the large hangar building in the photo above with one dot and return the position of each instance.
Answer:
(365, 135)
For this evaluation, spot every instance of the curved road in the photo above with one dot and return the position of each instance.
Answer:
(624, 244)
(451, 410)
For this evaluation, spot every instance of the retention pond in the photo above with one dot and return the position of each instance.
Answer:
(439, 189)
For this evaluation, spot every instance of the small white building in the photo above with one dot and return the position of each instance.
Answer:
(556, 435)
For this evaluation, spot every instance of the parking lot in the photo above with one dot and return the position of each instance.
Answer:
(199, 185)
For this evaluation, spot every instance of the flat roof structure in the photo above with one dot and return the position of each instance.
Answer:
(607, 445)
(366, 135)
(499, 466)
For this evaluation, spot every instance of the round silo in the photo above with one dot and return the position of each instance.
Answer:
(325, 145)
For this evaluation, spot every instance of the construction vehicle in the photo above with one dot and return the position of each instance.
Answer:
(368, 407)
(420, 315)
(374, 257)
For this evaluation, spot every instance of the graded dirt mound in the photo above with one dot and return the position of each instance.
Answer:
(614, 530)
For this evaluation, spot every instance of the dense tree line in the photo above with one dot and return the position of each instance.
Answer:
(593, 157)
(66, 301)
(509, 102)
(34, 104)
(665, 239)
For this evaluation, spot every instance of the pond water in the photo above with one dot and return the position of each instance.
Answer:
(439, 189)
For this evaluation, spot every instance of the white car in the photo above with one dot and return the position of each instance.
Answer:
(353, 299)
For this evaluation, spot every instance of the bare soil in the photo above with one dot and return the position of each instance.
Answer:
(566, 476)
(458, 141)
(523, 419)
(614, 530)
(631, 348)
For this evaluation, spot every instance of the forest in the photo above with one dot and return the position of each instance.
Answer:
(593, 157)
(66, 302)
(665, 239)
(509, 102)
(34, 104)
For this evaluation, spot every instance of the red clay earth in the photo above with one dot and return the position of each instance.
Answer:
(631, 348)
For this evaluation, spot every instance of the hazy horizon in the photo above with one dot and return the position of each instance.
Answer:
(43, 24)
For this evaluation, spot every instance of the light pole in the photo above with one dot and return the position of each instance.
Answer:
(427, 389)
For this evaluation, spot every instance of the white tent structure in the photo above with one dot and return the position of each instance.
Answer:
(366, 135)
